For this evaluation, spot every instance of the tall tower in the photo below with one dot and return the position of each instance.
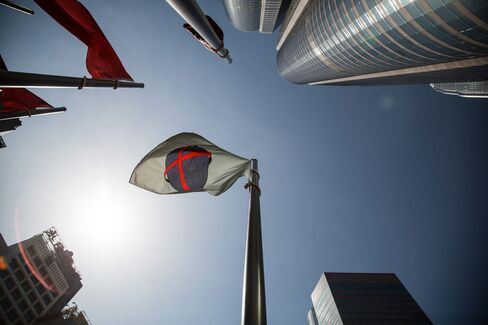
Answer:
(373, 42)
(363, 298)
(37, 278)
(254, 15)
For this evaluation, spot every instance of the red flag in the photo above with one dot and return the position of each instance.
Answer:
(19, 99)
(101, 59)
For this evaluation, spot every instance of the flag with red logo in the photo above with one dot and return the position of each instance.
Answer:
(101, 59)
(187, 162)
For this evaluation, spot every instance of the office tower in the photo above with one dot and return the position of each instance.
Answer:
(38, 278)
(253, 15)
(70, 315)
(374, 42)
(363, 298)
(475, 89)
(7, 126)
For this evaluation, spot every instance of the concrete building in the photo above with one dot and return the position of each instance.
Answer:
(7, 126)
(254, 15)
(37, 278)
(363, 298)
(384, 42)
(70, 315)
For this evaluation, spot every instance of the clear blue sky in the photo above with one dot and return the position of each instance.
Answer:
(354, 179)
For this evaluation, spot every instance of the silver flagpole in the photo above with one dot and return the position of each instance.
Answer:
(12, 79)
(190, 11)
(39, 111)
(253, 295)
(17, 7)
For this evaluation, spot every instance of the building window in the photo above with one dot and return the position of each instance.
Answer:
(37, 261)
(32, 250)
(13, 264)
(19, 275)
(5, 303)
(3, 274)
(46, 299)
(43, 271)
(9, 283)
(16, 294)
(38, 308)
(32, 296)
(40, 289)
(22, 305)
(26, 286)
(12, 315)
(29, 317)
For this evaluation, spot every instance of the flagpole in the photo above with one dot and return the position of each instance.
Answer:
(253, 295)
(25, 113)
(17, 7)
(13, 79)
(190, 11)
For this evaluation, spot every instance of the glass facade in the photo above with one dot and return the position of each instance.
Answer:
(253, 15)
(337, 39)
(477, 89)
(312, 318)
(364, 298)
(244, 14)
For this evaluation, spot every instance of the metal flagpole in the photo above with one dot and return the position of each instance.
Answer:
(25, 113)
(17, 7)
(253, 295)
(190, 11)
(12, 79)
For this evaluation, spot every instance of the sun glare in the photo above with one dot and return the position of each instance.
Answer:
(104, 220)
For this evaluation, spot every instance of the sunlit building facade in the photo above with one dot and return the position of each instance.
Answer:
(363, 298)
(475, 89)
(37, 279)
(369, 42)
(256, 15)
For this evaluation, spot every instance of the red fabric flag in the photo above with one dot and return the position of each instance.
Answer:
(19, 99)
(101, 59)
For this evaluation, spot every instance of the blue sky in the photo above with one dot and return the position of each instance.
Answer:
(354, 179)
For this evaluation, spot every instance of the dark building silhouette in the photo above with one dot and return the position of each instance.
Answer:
(363, 298)
(37, 279)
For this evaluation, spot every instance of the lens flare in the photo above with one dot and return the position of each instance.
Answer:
(28, 262)
(3, 264)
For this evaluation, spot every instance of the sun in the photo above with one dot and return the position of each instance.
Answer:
(104, 219)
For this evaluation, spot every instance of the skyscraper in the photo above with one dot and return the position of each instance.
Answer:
(370, 42)
(475, 89)
(363, 298)
(254, 15)
(37, 278)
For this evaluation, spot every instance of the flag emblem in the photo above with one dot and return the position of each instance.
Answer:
(186, 168)
(187, 162)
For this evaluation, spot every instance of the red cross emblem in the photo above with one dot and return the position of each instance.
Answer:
(186, 168)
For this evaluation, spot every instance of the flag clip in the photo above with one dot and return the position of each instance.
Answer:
(255, 172)
(83, 83)
(252, 184)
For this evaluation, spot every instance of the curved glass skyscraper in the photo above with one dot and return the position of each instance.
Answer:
(254, 15)
(367, 42)
(243, 14)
